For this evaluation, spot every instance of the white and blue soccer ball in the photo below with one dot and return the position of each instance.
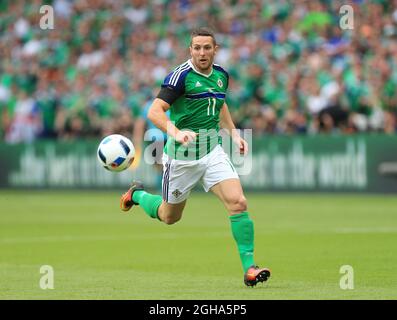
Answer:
(116, 152)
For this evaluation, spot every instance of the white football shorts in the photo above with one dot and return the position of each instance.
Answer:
(181, 176)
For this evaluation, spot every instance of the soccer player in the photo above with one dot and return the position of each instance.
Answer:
(195, 94)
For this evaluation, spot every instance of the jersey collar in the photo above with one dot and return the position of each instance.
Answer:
(195, 70)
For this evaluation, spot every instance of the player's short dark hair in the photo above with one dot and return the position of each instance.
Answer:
(202, 31)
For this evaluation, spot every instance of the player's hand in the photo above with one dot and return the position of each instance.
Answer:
(241, 144)
(185, 137)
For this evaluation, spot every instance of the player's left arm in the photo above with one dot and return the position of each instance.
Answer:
(226, 122)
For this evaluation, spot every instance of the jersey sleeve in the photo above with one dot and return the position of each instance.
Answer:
(175, 80)
(168, 95)
(173, 85)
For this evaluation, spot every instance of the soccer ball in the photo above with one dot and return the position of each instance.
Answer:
(116, 152)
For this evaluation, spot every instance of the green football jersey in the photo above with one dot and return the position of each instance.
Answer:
(197, 108)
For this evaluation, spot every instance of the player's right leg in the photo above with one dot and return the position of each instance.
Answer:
(179, 178)
(153, 205)
(136, 195)
(170, 213)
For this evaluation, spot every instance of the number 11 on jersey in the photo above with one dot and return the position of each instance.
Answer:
(211, 101)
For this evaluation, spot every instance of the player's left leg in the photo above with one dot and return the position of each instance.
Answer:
(222, 179)
(230, 192)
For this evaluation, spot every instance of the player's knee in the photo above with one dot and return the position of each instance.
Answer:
(170, 214)
(239, 204)
(171, 219)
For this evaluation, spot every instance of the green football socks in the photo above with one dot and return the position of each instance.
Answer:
(149, 202)
(241, 224)
(243, 233)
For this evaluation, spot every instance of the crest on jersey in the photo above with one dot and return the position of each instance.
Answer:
(176, 193)
(220, 83)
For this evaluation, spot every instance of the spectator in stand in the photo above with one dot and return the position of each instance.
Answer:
(293, 69)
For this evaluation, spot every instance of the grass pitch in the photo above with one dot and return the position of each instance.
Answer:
(99, 253)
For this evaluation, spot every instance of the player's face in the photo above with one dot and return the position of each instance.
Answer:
(203, 51)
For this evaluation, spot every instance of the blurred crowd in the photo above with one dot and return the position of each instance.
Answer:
(293, 69)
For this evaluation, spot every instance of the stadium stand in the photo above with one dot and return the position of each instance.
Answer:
(293, 69)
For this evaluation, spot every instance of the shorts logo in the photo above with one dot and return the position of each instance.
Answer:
(220, 83)
(176, 193)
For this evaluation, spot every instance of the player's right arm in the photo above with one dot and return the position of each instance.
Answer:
(172, 88)
(157, 114)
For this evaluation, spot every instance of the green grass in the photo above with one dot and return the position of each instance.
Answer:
(99, 253)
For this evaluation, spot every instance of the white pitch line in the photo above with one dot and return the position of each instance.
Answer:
(366, 230)
(71, 238)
